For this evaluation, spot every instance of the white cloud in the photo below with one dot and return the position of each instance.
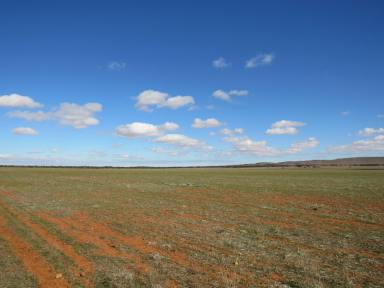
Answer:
(158, 99)
(220, 94)
(287, 123)
(150, 98)
(139, 129)
(260, 60)
(178, 144)
(178, 101)
(345, 113)
(220, 63)
(16, 100)
(30, 116)
(238, 130)
(208, 123)
(300, 146)
(25, 131)
(179, 140)
(380, 116)
(246, 145)
(238, 93)
(5, 156)
(284, 127)
(230, 132)
(77, 116)
(116, 65)
(374, 144)
(227, 95)
(169, 126)
(226, 131)
(371, 131)
(282, 131)
(182, 141)
(131, 157)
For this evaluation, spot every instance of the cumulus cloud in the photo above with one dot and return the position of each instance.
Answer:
(182, 141)
(16, 100)
(78, 116)
(25, 131)
(169, 126)
(178, 101)
(139, 129)
(220, 63)
(75, 115)
(371, 131)
(260, 60)
(300, 146)
(116, 66)
(153, 98)
(208, 123)
(284, 127)
(230, 132)
(30, 116)
(287, 123)
(238, 130)
(246, 145)
(220, 94)
(374, 144)
(282, 131)
(227, 95)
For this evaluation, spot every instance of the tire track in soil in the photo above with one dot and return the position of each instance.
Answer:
(86, 225)
(33, 261)
(104, 247)
(85, 266)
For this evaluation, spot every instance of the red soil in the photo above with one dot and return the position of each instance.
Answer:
(84, 264)
(87, 234)
(83, 228)
(10, 195)
(44, 273)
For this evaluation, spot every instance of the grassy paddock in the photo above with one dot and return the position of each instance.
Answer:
(211, 227)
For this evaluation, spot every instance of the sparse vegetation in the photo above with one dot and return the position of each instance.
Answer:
(191, 227)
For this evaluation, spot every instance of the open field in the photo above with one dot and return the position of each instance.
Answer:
(191, 227)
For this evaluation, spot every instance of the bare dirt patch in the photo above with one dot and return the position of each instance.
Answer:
(85, 266)
(45, 274)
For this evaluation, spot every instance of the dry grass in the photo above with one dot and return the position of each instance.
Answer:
(194, 227)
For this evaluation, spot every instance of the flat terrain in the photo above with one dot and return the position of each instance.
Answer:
(191, 227)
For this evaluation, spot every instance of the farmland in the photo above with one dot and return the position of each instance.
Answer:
(191, 227)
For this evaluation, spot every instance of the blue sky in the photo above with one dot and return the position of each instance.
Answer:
(190, 82)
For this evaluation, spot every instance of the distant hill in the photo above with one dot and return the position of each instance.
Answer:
(356, 161)
(342, 162)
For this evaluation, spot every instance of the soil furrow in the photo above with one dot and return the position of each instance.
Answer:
(83, 222)
(35, 263)
(85, 266)
(104, 246)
